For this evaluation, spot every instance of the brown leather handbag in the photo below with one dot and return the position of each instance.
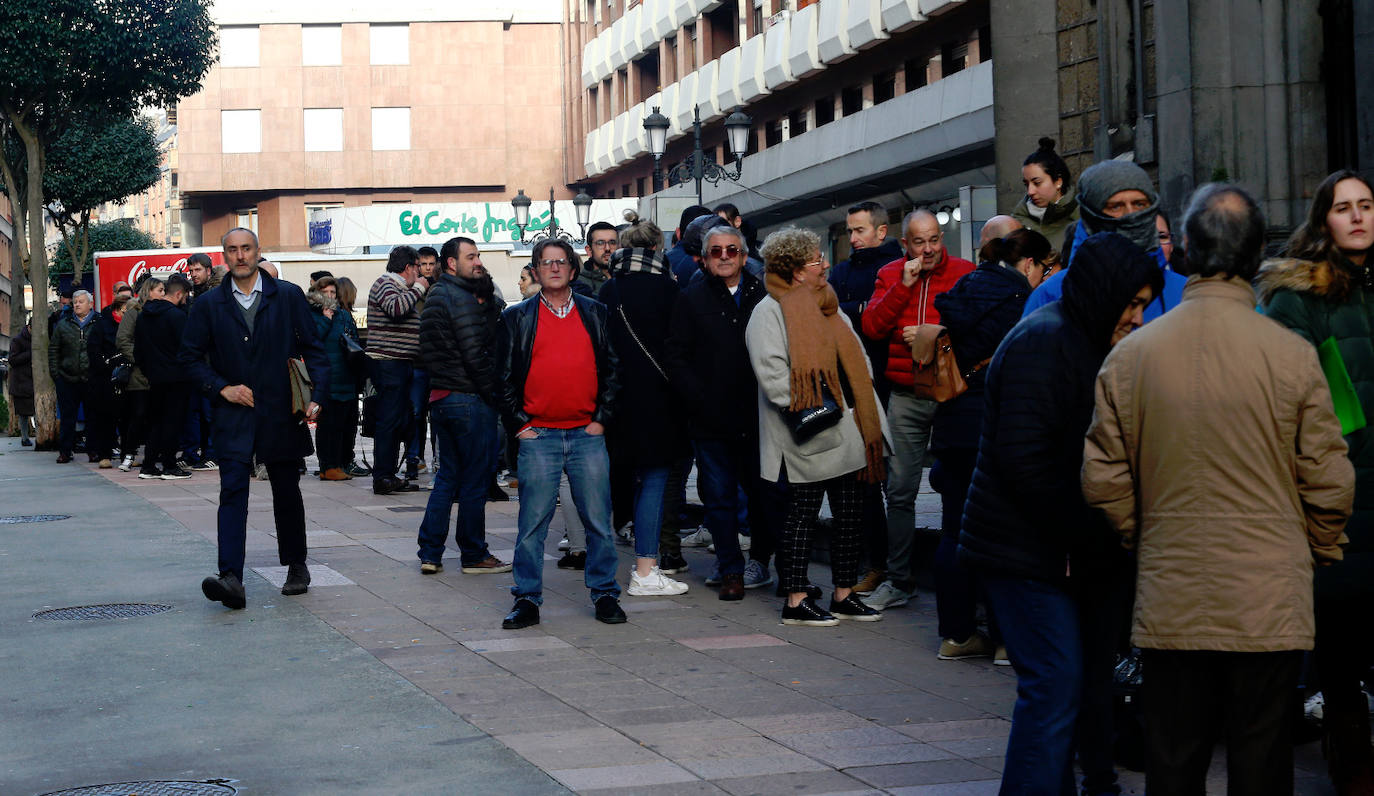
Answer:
(937, 376)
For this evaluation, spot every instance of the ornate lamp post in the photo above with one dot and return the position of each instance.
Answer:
(698, 166)
(582, 205)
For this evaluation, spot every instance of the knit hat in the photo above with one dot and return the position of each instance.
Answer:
(695, 234)
(1103, 180)
(646, 261)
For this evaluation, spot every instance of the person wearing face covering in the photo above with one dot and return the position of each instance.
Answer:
(1041, 553)
(1116, 196)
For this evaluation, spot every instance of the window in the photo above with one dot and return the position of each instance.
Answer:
(723, 27)
(668, 62)
(772, 133)
(594, 105)
(390, 128)
(321, 45)
(646, 76)
(390, 44)
(240, 131)
(247, 218)
(639, 186)
(625, 189)
(852, 100)
(324, 129)
(825, 110)
(238, 46)
(953, 58)
(916, 72)
(691, 45)
(796, 123)
(884, 86)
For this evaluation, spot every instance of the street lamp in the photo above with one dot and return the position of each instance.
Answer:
(698, 166)
(582, 204)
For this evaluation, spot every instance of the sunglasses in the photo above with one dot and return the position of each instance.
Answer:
(730, 251)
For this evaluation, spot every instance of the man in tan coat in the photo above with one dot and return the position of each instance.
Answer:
(1214, 450)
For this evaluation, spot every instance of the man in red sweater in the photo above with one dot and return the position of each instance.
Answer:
(561, 373)
(903, 299)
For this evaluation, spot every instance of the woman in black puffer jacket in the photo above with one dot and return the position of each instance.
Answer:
(978, 312)
(1040, 552)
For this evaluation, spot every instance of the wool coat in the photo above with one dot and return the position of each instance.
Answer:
(220, 350)
(21, 373)
(1215, 451)
(124, 341)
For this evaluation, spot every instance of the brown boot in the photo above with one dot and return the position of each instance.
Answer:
(732, 587)
(335, 474)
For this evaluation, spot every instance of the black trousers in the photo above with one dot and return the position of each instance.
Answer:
(287, 509)
(1191, 699)
(334, 433)
(1345, 653)
(167, 405)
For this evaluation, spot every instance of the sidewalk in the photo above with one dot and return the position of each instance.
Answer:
(381, 680)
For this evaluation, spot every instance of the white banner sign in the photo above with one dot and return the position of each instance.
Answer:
(344, 230)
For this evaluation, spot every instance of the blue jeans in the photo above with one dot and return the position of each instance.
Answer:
(391, 378)
(651, 484)
(543, 460)
(1039, 624)
(465, 425)
(723, 484)
(419, 406)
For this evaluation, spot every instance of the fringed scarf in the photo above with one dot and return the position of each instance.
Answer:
(822, 349)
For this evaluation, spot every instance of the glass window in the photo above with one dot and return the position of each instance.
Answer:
(324, 129)
(247, 218)
(390, 128)
(390, 44)
(240, 131)
(321, 45)
(238, 46)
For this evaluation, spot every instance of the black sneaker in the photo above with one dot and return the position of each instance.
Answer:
(150, 475)
(297, 580)
(358, 471)
(853, 608)
(176, 473)
(608, 610)
(224, 588)
(813, 592)
(524, 614)
(576, 561)
(809, 614)
(670, 564)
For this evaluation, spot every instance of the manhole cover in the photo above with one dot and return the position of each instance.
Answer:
(107, 611)
(14, 520)
(150, 788)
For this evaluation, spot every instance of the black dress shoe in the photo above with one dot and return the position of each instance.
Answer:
(63, 458)
(524, 614)
(225, 588)
(813, 592)
(495, 494)
(608, 610)
(853, 608)
(297, 580)
(405, 486)
(383, 486)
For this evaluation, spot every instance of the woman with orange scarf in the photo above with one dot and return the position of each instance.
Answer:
(806, 356)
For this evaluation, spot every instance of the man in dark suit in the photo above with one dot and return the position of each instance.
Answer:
(238, 340)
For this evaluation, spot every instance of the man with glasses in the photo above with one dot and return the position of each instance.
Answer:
(393, 344)
(903, 300)
(561, 373)
(602, 241)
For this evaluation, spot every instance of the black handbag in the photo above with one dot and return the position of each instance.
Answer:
(807, 423)
(121, 370)
(354, 354)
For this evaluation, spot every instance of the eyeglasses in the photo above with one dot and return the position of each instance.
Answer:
(814, 262)
(551, 263)
(732, 251)
(611, 243)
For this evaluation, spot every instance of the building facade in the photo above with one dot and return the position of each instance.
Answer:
(850, 100)
(359, 104)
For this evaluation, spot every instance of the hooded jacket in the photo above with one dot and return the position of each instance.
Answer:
(1321, 300)
(1214, 450)
(157, 339)
(1055, 220)
(1025, 516)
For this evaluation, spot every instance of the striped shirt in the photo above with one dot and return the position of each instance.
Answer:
(393, 320)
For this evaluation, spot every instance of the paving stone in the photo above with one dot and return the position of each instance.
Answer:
(727, 767)
(732, 642)
(974, 747)
(885, 754)
(929, 773)
(320, 576)
(512, 644)
(710, 747)
(986, 787)
(815, 782)
(905, 707)
(869, 735)
(582, 748)
(641, 775)
(697, 788)
(722, 729)
(957, 730)
(815, 721)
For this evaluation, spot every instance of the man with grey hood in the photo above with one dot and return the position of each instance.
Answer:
(1116, 196)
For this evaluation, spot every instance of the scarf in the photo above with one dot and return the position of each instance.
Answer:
(1098, 183)
(633, 261)
(821, 348)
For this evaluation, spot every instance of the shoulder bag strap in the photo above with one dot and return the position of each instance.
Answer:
(635, 337)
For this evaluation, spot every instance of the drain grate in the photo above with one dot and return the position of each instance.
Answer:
(16, 519)
(151, 788)
(107, 611)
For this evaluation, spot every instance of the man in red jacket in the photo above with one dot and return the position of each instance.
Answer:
(903, 299)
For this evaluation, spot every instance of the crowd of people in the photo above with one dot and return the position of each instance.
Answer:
(1132, 461)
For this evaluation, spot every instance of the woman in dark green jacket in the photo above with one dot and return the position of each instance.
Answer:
(1324, 289)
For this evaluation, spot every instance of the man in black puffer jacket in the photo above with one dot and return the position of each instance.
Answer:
(1026, 528)
(157, 340)
(458, 346)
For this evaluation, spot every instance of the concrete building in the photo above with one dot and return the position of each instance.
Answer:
(355, 104)
(1274, 96)
(850, 100)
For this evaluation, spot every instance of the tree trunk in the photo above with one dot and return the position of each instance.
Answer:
(44, 392)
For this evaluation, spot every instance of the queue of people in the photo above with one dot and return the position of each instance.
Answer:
(1129, 456)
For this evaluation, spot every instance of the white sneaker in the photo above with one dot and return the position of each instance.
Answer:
(626, 535)
(127, 463)
(564, 545)
(887, 596)
(698, 538)
(655, 584)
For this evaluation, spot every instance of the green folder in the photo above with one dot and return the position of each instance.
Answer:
(1343, 397)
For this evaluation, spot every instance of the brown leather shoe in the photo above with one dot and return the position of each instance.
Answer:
(871, 580)
(491, 565)
(335, 474)
(732, 587)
